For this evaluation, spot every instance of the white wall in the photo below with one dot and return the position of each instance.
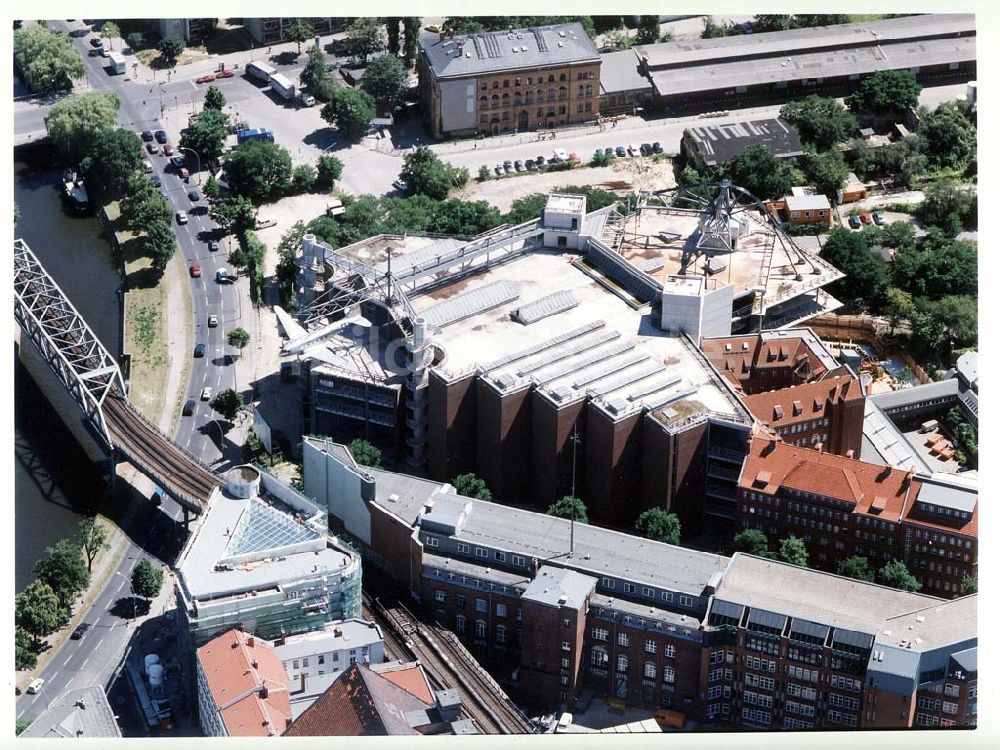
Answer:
(338, 487)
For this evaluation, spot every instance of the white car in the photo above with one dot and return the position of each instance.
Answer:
(560, 155)
(206, 394)
(307, 100)
(264, 223)
(182, 217)
(35, 685)
(213, 321)
(148, 166)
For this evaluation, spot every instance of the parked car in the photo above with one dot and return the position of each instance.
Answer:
(35, 685)
(264, 222)
(400, 185)
(206, 394)
(152, 148)
(226, 73)
(147, 165)
(96, 52)
(188, 409)
(633, 150)
(147, 135)
(168, 149)
(540, 161)
(646, 149)
(213, 245)
(560, 155)
(498, 169)
(195, 270)
(194, 195)
(620, 151)
(182, 217)
(156, 180)
(854, 222)
(866, 218)
(519, 166)
(199, 351)
(530, 165)
(105, 52)
(184, 173)
(657, 148)
(508, 166)
(213, 321)
(160, 136)
(177, 160)
(574, 157)
(206, 78)
(80, 631)
(307, 100)
(878, 217)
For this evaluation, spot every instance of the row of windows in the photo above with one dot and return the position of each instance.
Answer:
(580, 76)
(717, 657)
(799, 691)
(802, 709)
(756, 681)
(942, 539)
(806, 675)
(718, 674)
(757, 699)
(836, 717)
(845, 683)
(940, 552)
(755, 716)
(791, 723)
(719, 690)
(925, 720)
(761, 665)
(798, 427)
(842, 701)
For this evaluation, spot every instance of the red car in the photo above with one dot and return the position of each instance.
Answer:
(183, 172)
(206, 79)
(866, 218)
(168, 149)
(226, 74)
(195, 270)
(574, 157)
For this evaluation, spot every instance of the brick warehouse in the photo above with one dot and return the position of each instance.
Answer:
(651, 624)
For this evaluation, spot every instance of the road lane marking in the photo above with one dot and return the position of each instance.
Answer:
(85, 662)
(67, 660)
(98, 644)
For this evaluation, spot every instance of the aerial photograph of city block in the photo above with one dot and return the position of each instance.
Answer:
(473, 375)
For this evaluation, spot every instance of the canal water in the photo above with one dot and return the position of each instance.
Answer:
(54, 481)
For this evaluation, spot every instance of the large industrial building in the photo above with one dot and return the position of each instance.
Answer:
(809, 60)
(503, 81)
(558, 354)
(554, 608)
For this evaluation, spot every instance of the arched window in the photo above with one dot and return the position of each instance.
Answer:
(563, 93)
(552, 94)
(483, 102)
(496, 101)
(460, 623)
(517, 98)
(590, 90)
(552, 79)
(623, 663)
(506, 100)
(480, 628)
(599, 656)
(496, 84)
(649, 670)
(579, 90)
(562, 76)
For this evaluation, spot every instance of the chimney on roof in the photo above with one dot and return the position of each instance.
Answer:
(280, 640)
(263, 691)
(850, 453)
(818, 447)
(885, 473)
(250, 640)
(80, 703)
(907, 479)
(254, 664)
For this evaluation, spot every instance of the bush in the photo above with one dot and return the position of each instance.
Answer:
(328, 170)
(470, 485)
(569, 507)
(484, 174)
(303, 179)
(365, 454)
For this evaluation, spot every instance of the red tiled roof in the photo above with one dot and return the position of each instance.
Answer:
(801, 403)
(410, 677)
(361, 702)
(790, 352)
(863, 484)
(240, 671)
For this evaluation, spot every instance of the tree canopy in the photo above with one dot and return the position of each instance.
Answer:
(386, 80)
(24, 653)
(92, 538)
(821, 121)
(115, 156)
(937, 265)
(751, 541)
(299, 32)
(38, 610)
(569, 507)
(147, 579)
(649, 30)
(48, 60)
(207, 134)
(365, 454)
(236, 214)
(364, 36)
(856, 567)
(895, 574)
(171, 48)
(411, 34)
(793, 551)
(659, 525)
(947, 206)
(160, 243)
(64, 569)
(328, 170)
(214, 98)
(315, 76)
(239, 337)
(866, 276)
(472, 486)
(760, 172)
(351, 110)
(77, 122)
(885, 92)
(948, 135)
(258, 170)
(827, 172)
(426, 174)
(228, 403)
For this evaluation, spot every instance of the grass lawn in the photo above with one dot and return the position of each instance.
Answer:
(145, 323)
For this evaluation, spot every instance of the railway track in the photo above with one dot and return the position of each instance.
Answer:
(450, 666)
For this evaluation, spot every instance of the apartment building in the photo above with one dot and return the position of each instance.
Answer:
(841, 507)
(502, 81)
(272, 30)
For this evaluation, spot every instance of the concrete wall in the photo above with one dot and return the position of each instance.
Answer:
(338, 487)
(400, 551)
(458, 105)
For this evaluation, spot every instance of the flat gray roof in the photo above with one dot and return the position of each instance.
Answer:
(884, 443)
(713, 76)
(916, 394)
(784, 43)
(717, 144)
(648, 611)
(967, 659)
(560, 587)
(446, 565)
(942, 491)
(620, 72)
(498, 51)
(84, 712)
(968, 368)
(813, 595)
(930, 627)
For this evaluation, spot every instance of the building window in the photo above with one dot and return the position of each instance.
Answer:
(566, 622)
(495, 100)
(481, 605)
(563, 680)
(501, 610)
(480, 552)
(667, 596)
(650, 646)
(440, 596)
(460, 623)
(432, 541)
(629, 588)
(606, 582)
(600, 634)
(295, 664)
(685, 601)
(623, 639)
(669, 650)
(646, 591)
(501, 634)
(562, 109)
(949, 708)
(460, 600)
(482, 119)
(565, 646)
(669, 675)
(622, 663)
(552, 79)
(517, 560)
(480, 628)
(649, 670)
(517, 615)
(598, 657)
(321, 659)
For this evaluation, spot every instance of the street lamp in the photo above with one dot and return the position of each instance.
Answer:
(131, 589)
(198, 171)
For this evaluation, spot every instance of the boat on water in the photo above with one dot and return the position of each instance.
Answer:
(75, 192)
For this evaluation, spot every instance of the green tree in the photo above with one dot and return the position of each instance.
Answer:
(948, 136)
(212, 189)
(114, 158)
(77, 122)
(286, 270)
(303, 178)
(24, 653)
(171, 48)
(21, 724)
(899, 306)
(37, 610)
(866, 276)
(657, 524)
(752, 542)
(207, 134)
(470, 485)
(315, 76)
(411, 33)
(793, 551)
(258, 170)
(884, 92)
(959, 316)
(969, 585)
(111, 31)
(760, 172)
(328, 170)
(527, 208)
(569, 507)
(819, 19)
(160, 243)
(895, 574)
(365, 454)
(776, 22)
(141, 203)
(946, 206)
(228, 403)
(64, 569)
(136, 40)
(386, 80)
(463, 217)
(820, 121)
(392, 34)
(649, 29)
(351, 110)
(239, 338)
(147, 579)
(48, 60)
(483, 175)
(856, 567)
(828, 172)
(92, 538)
(937, 266)
(364, 36)
(426, 174)
(299, 32)
(214, 98)
(235, 215)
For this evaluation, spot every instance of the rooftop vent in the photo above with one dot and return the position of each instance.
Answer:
(746, 346)
(560, 44)
(523, 48)
(562, 599)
